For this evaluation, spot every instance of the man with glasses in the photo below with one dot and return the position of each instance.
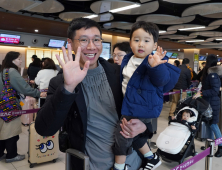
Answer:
(120, 50)
(86, 100)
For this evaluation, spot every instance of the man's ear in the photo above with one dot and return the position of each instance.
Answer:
(69, 40)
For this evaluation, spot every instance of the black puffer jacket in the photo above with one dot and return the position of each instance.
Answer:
(210, 90)
(33, 71)
(184, 79)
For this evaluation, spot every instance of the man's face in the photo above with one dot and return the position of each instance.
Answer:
(185, 116)
(90, 52)
(142, 43)
(118, 55)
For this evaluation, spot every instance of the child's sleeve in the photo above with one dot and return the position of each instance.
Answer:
(159, 75)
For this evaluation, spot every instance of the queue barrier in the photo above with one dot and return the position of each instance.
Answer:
(208, 153)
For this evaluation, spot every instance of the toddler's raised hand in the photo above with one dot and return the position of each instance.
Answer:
(160, 52)
(156, 59)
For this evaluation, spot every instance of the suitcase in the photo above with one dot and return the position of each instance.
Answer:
(29, 103)
(202, 132)
(42, 148)
(78, 154)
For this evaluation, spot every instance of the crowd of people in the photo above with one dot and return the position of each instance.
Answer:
(106, 107)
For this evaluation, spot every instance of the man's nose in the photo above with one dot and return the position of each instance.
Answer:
(91, 45)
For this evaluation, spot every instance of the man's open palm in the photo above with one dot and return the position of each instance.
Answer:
(72, 72)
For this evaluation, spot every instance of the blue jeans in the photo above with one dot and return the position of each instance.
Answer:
(213, 130)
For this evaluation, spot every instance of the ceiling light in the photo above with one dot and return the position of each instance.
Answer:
(37, 3)
(178, 49)
(219, 39)
(217, 55)
(36, 30)
(193, 28)
(195, 41)
(124, 8)
(161, 32)
(91, 16)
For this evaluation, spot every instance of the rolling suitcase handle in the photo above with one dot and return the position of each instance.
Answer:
(78, 154)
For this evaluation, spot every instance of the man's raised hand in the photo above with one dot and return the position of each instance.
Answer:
(72, 72)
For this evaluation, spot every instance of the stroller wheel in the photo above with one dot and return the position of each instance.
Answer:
(195, 153)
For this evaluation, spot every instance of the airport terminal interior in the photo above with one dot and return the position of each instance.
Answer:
(188, 29)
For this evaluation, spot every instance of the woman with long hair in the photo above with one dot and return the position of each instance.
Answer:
(9, 131)
(210, 91)
(44, 76)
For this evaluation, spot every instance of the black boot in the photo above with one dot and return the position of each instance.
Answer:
(219, 152)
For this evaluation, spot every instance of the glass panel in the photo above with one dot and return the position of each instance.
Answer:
(54, 56)
(29, 54)
(39, 53)
(48, 54)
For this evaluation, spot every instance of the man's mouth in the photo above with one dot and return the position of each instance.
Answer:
(90, 55)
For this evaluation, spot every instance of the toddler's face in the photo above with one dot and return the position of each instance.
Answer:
(185, 116)
(142, 43)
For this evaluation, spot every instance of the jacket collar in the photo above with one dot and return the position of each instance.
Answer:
(215, 69)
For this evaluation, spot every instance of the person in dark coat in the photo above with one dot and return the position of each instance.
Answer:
(33, 70)
(183, 83)
(87, 101)
(210, 91)
(201, 72)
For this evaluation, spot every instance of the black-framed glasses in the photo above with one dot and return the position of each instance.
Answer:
(84, 41)
(118, 55)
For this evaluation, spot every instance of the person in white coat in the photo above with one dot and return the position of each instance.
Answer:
(46, 74)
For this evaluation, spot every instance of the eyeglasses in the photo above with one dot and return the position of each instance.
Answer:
(84, 41)
(117, 55)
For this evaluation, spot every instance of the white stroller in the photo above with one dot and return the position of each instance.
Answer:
(176, 142)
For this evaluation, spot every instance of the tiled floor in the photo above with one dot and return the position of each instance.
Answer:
(60, 164)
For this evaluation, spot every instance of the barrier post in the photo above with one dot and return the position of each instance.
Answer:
(208, 160)
(181, 96)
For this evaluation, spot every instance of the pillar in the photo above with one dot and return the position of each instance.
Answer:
(193, 56)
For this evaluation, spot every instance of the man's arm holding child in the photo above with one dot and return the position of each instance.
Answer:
(157, 70)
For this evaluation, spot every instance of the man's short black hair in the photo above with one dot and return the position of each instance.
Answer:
(149, 27)
(78, 23)
(203, 63)
(34, 56)
(123, 46)
(186, 61)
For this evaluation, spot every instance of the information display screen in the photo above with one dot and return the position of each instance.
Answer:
(202, 58)
(169, 54)
(106, 50)
(56, 43)
(7, 38)
(174, 55)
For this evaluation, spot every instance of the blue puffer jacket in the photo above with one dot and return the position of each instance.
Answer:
(211, 89)
(144, 92)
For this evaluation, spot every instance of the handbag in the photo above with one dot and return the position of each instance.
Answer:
(8, 99)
